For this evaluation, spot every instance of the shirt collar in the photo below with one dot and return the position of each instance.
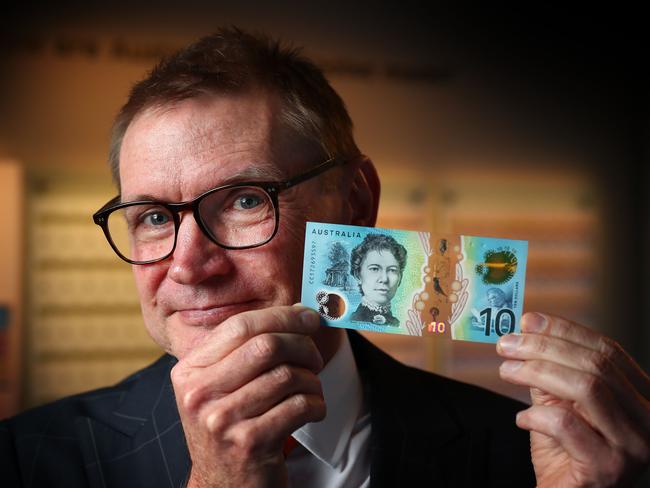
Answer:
(329, 438)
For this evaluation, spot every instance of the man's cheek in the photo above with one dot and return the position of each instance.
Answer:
(147, 281)
(279, 270)
(291, 233)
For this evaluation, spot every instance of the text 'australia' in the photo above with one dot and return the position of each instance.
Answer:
(336, 233)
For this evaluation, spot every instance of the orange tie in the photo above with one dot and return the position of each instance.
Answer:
(289, 445)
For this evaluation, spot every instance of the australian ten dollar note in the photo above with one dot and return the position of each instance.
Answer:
(414, 283)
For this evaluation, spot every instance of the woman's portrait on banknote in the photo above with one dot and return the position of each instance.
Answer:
(378, 265)
(497, 298)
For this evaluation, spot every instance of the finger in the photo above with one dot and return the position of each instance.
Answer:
(575, 356)
(271, 429)
(568, 429)
(538, 323)
(259, 355)
(264, 393)
(238, 329)
(541, 397)
(593, 398)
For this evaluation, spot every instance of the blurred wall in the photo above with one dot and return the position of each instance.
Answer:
(449, 96)
(11, 291)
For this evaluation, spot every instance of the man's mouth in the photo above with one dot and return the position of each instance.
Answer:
(211, 315)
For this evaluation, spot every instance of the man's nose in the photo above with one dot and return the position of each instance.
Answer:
(196, 258)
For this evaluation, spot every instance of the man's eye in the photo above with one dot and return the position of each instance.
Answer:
(246, 202)
(155, 219)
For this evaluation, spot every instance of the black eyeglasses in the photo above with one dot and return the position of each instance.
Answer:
(235, 216)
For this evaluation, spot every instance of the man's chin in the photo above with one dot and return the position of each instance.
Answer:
(183, 342)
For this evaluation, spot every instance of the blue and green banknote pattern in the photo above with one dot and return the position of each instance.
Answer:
(405, 282)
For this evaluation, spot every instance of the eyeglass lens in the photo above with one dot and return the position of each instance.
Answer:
(234, 217)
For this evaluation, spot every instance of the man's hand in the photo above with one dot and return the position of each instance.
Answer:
(241, 393)
(590, 418)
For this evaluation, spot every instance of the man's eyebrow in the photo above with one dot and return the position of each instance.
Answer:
(137, 198)
(259, 172)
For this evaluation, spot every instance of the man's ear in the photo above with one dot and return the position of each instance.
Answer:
(363, 199)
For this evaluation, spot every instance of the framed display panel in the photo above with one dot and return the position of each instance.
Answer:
(11, 285)
(84, 324)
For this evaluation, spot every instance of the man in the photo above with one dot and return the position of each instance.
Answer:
(255, 142)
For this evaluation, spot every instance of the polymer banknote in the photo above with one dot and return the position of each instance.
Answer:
(414, 283)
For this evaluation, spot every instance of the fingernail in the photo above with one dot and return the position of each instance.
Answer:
(510, 366)
(510, 342)
(533, 322)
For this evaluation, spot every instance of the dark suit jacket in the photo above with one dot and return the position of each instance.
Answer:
(426, 431)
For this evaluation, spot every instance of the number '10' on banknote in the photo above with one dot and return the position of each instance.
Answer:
(404, 282)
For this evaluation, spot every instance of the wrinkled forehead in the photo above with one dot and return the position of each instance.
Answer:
(199, 143)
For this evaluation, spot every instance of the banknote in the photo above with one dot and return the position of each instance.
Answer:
(414, 283)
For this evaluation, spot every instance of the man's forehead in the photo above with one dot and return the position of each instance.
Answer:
(255, 172)
(201, 124)
(198, 144)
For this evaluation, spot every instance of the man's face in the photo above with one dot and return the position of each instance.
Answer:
(380, 276)
(179, 152)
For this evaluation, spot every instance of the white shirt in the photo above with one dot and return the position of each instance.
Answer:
(335, 452)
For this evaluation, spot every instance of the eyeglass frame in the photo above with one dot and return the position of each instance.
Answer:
(271, 188)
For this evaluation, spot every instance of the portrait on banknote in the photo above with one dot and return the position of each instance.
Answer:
(377, 264)
(363, 276)
(494, 300)
(498, 298)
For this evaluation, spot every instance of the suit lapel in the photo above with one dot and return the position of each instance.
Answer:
(140, 441)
